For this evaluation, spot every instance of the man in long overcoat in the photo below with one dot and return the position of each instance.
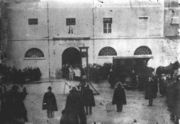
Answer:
(49, 103)
(74, 111)
(88, 99)
(119, 97)
(150, 91)
(176, 100)
(112, 78)
(162, 85)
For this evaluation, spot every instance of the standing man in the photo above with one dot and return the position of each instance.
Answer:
(71, 73)
(119, 97)
(49, 103)
(112, 78)
(88, 100)
(150, 91)
(74, 110)
(176, 100)
(162, 85)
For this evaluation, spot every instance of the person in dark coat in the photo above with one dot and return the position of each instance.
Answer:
(49, 103)
(155, 79)
(5, 111)
(150, 91)
(13, 106)
(119, 97)
(74, 111)
(111, 78)
(88, 100)
(162, 85)
(1, 97)
(23, 95)
(176, 100)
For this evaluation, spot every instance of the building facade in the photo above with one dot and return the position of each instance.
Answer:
(48, 33)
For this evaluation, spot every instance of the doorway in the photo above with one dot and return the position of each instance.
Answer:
(71, 56)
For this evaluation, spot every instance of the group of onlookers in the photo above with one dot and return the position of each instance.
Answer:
(71, 72)
(16, 76)
(80, 99)
(79, 103)
(172, 93)
(169, 87)
(12, 108)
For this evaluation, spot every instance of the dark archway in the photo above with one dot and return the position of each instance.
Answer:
(71, 56)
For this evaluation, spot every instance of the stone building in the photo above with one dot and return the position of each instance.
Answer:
(48, 33)
(3, 31)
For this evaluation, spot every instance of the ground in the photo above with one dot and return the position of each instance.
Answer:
(136, 109)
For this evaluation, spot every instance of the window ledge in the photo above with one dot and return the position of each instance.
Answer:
(104, 57)
(41, 58)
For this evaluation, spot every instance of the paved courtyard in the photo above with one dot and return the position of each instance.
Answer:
(136, 109)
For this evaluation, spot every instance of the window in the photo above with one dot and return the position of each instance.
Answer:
(34, 53)
(107, 22)
(143, 26)
(70, 22)
(143, 50)
(143, 17)
(33, 21)
(143, 22)
(107, 51)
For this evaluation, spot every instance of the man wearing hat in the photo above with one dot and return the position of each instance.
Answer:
(119, 97)
(49, 103)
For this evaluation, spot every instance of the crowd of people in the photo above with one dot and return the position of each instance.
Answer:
(12, 108)
(80, 99)
(71, 72)
(95, 72)
(17, 76)
(172, 92)
(79, 103)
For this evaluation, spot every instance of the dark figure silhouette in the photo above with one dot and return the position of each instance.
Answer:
(150, 92)
(119, 97)
(49, 103)
(74, 111)
(88, 100)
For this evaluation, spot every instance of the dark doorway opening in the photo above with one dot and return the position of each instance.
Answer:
(71, 56)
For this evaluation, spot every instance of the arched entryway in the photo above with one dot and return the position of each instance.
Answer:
(71, 56)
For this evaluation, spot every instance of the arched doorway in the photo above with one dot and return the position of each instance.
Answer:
(71, 56)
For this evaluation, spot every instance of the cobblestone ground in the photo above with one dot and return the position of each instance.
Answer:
(136, 109)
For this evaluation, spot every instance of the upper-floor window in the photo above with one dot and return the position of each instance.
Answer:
(143, 22)
(143, 25)
(32, 21)
(70, 22)
(107, 25)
